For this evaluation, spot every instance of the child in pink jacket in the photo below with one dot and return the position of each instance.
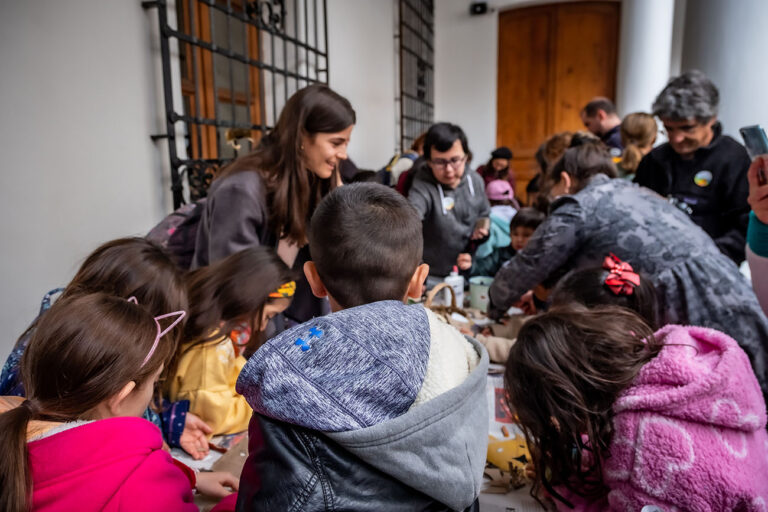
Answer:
(89, 371)
(618, 418)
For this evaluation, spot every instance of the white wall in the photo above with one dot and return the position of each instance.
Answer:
(466, 49)
(81, 92)
(77, 96)
(362, 68)
(728, 41)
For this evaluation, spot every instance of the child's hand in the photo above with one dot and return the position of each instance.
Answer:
(526, 303)
(467, 331)
(530, 471)
(216, 484)
(464, 261)
(758, 193)
(194, 438)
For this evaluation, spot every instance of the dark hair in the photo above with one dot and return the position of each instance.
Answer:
(527, 218)
(441, 136)
(365, 176)
(690, 95)
(582, 162)
(292, 191)
(563, 375)
(366, 241)
(587, 287)
(85, 349)
(600, 103)
(230, 291)
(582, 137)
(128, 267)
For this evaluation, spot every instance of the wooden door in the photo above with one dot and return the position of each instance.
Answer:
(552, 60)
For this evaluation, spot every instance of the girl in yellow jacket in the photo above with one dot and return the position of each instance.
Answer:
(230, 303)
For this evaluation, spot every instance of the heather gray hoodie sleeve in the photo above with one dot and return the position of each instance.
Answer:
(419, 197)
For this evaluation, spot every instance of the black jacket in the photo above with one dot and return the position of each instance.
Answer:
(713, 185)
(290, 468)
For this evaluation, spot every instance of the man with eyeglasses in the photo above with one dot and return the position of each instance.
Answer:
(450, 199)
(700, 170)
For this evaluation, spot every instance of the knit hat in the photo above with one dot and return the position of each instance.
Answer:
(502, 152)
(499, 190)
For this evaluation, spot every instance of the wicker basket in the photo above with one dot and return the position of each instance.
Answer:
(445, 312)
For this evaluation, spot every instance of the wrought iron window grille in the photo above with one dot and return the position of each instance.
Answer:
(417, 68)
(228, 67)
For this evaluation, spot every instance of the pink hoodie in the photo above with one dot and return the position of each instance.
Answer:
(690, 431)
(113, 464)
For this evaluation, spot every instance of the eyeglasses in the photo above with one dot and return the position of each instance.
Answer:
(441, 163)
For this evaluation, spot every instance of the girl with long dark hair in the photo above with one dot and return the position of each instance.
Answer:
(617, 418)
(231, 302)
(78, 442)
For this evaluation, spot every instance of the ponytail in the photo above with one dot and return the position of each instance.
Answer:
(15, 479)
(83, 351)
(630, 158)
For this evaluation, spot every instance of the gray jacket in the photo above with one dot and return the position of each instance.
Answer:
(448, 215)
(236, 217)
(354, 376)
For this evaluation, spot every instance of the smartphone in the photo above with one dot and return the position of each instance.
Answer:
(757, 144)
(483, 223)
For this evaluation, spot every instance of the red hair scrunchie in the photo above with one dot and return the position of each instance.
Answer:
(621, 278)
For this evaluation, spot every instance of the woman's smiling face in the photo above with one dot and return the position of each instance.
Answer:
(323, 152)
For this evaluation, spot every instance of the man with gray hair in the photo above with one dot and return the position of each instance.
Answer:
(700, 170)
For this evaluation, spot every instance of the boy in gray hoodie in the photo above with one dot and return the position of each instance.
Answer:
(379, 405)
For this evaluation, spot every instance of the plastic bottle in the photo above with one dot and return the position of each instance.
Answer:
(456, 282)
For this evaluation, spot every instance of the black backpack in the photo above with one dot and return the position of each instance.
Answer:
(178, 231)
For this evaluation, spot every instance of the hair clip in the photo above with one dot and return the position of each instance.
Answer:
(285, 290)
(162, 332)
(133, 300)
(621, 278)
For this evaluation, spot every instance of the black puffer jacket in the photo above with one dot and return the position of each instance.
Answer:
(309, 472)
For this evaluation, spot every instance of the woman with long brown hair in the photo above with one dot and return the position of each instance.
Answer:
(268, 196)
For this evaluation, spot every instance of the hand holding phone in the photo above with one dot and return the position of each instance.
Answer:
(758, 192)
(482, 226)
(757, 144)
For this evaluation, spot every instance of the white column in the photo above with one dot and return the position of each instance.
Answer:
(728, 41)
(645, 50)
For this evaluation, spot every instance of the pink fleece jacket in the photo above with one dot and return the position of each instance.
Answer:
(689, 433)
(114, 464)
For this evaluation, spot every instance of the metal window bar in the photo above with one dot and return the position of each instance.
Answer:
(417, 68)
(225, 50)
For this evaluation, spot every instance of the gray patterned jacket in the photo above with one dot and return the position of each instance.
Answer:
(696, 284)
